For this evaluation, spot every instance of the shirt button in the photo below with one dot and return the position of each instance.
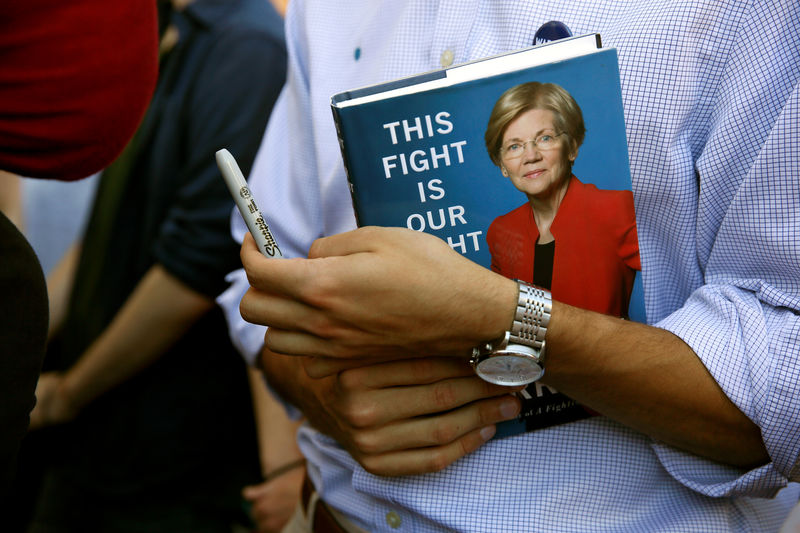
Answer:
(393, 519)
(447, 58)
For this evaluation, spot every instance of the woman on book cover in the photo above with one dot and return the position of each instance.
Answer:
(570, 237)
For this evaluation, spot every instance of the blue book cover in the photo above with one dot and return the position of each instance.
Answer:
(416, 156)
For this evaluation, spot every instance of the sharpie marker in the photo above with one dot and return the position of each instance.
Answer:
(247, 206)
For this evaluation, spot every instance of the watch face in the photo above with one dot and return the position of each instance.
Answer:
(509, 370)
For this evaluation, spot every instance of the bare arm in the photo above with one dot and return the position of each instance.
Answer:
(155, 316)
(59, 287)
(11, 197)
(273, 501)
(277, 434)
(650, 380)
(390, 291)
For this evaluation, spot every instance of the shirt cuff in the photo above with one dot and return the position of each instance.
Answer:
(246, 337)
(740, 336)
(717, 480)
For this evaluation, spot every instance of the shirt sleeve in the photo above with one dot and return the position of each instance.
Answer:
(229, 105)
(744, 322)
(749, 344)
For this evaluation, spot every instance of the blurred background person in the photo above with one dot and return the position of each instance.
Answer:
(75, 82)
(149, 403)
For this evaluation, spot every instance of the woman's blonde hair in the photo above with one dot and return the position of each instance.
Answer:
(534, 95)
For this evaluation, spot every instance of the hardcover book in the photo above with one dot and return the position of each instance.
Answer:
(520, 163)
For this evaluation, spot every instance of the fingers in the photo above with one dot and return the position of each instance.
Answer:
(426, 460)
(429, 444)
(369, 239)
(276, 276)
(294, 342)
(418, 371)
(376, 395)
(297, 277)
(273, 502)
(400, 417)
(349, 242)
(439, 429)
(333, 340)
(387, 406)
(376, 292)
(290, 295)
(317, 367)
(403, 428)
(365, 239)
(253, 492)
(424, 370)
(260, 307)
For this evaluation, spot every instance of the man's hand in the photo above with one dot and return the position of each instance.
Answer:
(274, 500)
(52, 404)
(388, 292)
(402, 417)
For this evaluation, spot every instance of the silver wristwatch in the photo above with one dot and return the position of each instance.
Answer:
(518, 357)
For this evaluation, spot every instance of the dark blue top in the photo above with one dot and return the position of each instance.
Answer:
(188, 416)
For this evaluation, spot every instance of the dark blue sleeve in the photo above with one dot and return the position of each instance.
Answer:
(229, 106)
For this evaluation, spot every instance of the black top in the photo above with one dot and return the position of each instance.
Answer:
(23, 331)
(188, 416)
(543, 264)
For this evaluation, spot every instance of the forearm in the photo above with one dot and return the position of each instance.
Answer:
(284, 374)
(11, 198)
(59, 287)
(648, 379)
(277, 434)
(158, 312)
(274, 499)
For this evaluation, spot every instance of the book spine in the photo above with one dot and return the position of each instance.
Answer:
(338, 122)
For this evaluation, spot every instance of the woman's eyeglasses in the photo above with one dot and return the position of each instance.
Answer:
(515, 149)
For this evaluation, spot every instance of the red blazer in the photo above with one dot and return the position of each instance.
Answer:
(597, 248)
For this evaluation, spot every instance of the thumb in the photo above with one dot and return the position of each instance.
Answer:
(252, 492)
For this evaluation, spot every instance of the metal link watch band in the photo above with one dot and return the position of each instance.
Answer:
(532, 317)
(517, 358)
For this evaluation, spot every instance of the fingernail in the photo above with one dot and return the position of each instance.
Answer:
(488, 432)
(509, 408)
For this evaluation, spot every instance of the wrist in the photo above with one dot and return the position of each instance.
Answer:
(68, 392)
(501, 309)
(285, 468)
(517, 357)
